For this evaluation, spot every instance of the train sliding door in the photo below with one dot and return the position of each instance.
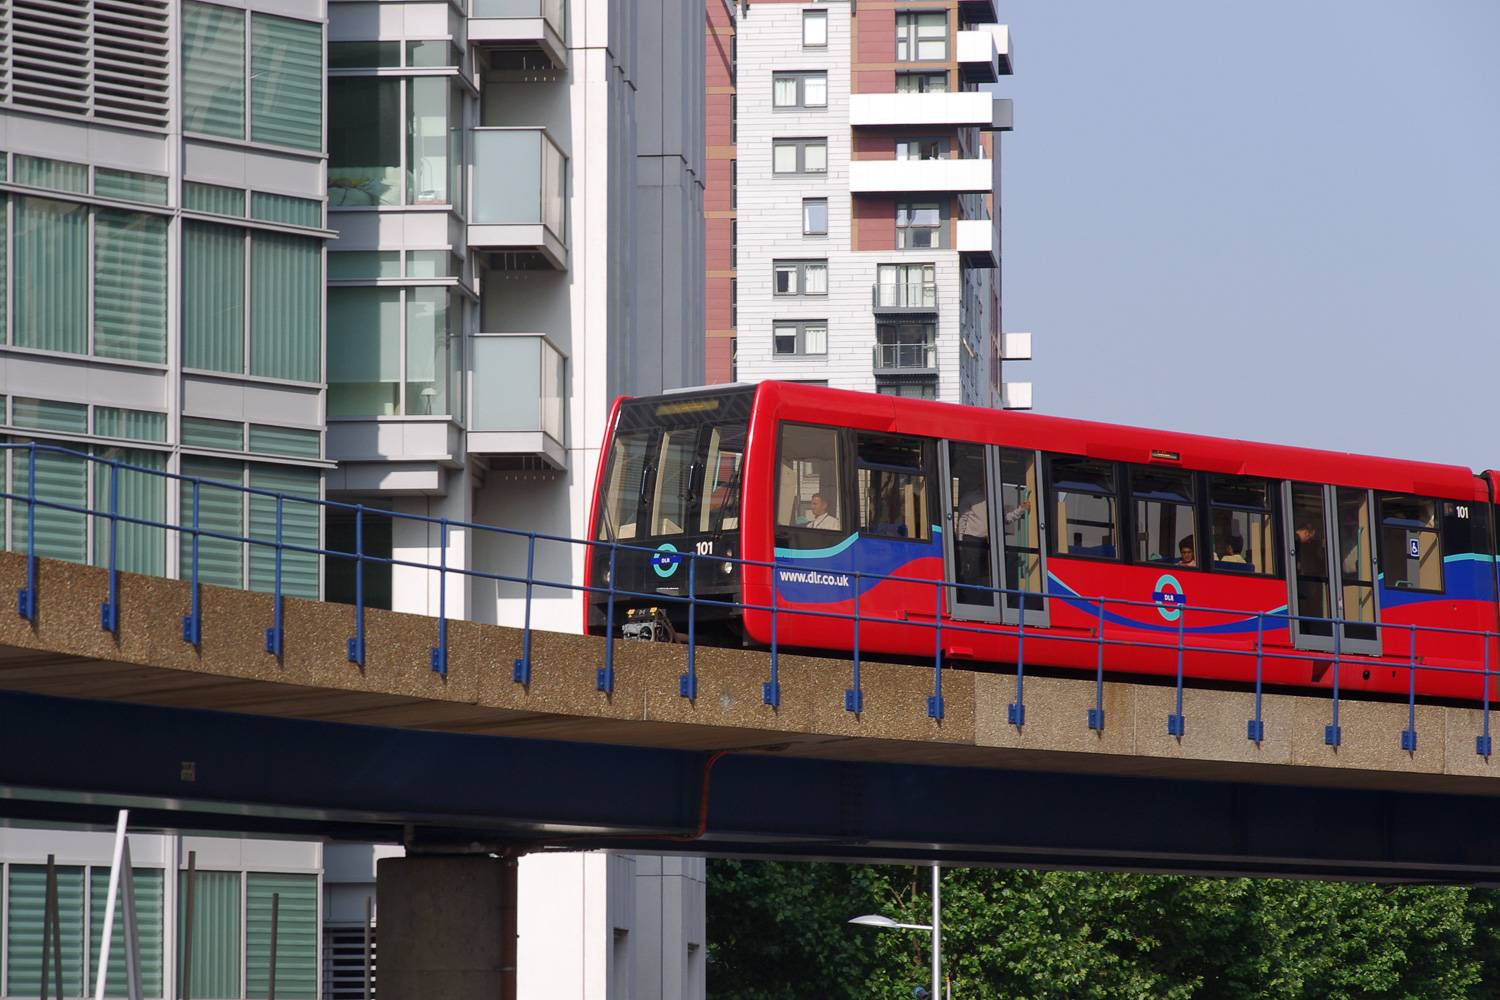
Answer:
(993, 536)
(1332, 572)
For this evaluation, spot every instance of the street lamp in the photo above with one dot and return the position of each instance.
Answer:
(935, 929)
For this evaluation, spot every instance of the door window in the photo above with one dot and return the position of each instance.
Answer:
(1356, 562)
(1021, 522)
(1310, 555)
(969, 494)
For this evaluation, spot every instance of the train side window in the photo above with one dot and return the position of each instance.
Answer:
(1085, 518)
(892, 481)
(1241, 531)
(1166, 516)
(809, 494)
(1411, 548)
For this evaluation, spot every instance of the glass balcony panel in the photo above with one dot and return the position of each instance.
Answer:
(518, 385)
(520, 179)
(550, 11)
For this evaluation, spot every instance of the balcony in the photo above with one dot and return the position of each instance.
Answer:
(516, 397)
(905, 359)
(520, 176)
(984, 53)
(1015, 347)
(1016, 395)
(904, 298)
(521, 29)
(970, 108)
(977, 242)
(894, 176)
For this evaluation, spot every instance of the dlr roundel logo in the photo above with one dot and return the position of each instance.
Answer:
(1169, 597)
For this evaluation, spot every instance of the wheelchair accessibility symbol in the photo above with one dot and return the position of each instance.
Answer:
(665, 560)
(1169, 597)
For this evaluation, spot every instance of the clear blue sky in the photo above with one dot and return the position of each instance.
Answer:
(1275, 220)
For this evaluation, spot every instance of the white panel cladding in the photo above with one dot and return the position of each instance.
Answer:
(82, 380)
(85, 142)
(894, 176)
(975, 109)
(237, 166)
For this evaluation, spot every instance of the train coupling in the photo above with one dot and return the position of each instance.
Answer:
(648, 624)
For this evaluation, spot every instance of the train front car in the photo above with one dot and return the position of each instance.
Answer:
(667, 512)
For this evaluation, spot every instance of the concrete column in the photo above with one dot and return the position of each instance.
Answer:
(447, 928)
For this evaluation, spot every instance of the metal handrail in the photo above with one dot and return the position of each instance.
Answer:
(1178, 642)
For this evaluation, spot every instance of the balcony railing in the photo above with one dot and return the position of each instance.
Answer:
(516, 398)
(536, 25)
(906, 296)
(905, 357)
(520, 181)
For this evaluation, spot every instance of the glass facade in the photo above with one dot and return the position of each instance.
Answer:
(394, 351)
(394, 141)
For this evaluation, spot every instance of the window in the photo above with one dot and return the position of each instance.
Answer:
(919, 225)
(921, 83)
(227, 510)
(213, 70)
(809, 493)
(365, 355)
(814, 29)
(800, 337)
(906, 286)
(921, 149)
(51, 275)
(296, 934)
(911, 390)
(1239, 512)
(1411, 550)
(799, 90)
(892, 483)
(1165, 517)
(721, 479)
(800, 277)
(905, 346)
(364, 141)
(675, 466)
(799, 156)
(286, 76)
(622, 499)
(921, 37)
(1085, 521)
(814, 216)
(362, 55)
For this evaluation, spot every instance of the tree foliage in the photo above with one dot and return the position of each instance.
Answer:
(779, 931)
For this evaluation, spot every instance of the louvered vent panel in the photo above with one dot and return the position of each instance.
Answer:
(344, 963)
(106, 59)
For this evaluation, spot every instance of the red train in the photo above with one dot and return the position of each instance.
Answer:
(1324, 556)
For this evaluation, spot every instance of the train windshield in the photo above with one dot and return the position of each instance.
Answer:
(674, 467)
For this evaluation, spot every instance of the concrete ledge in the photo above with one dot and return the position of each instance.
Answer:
(67, 655)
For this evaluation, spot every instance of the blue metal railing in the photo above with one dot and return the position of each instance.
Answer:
(28, 602)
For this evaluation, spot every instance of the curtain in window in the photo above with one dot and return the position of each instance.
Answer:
(213, 297)
(63, 479)
(286, 82)
(286, 294)
(26, 910)
(130, 286)
(364, 352)
(299, 526)
(216, 934)
(51, 275)
(213, 70)
(149, 883)
(220, 509)
(139, 548)
(296, 935)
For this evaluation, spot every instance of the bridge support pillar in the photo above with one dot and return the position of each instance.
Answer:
(447, 928)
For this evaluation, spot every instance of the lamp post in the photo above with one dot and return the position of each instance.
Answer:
(935, 929)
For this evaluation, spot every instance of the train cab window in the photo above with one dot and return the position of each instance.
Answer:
(892, 482)
(809, 494)
(1241, 530)
(721, 479)
(672, 500)
(1166, 518)
(1085, 519)
(1411, 550)
(623, 493)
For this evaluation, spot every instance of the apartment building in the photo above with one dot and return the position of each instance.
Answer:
(866, 196)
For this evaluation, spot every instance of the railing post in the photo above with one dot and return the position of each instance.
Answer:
(356, 650)
(439, 653)
(273, 634)
(109, 611)
(604, 677)
(1333, 735)
(770, 691)
(520, 670)
(1096, 714)
(935, 703)
(687, 684)
(1015, 712)
(1176, 724)
(1409, 734)
(1482, 745)
(854, 697)
(26, 599)
(1256, 730)
(192, 622)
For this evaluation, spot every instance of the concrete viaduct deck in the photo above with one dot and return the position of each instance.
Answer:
(312, 743)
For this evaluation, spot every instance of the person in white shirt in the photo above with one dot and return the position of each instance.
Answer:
(821, 516)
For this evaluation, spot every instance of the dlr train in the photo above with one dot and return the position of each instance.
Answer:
(1049, 532)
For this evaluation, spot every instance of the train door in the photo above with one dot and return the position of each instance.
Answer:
(993, 540)
(1331, 554)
